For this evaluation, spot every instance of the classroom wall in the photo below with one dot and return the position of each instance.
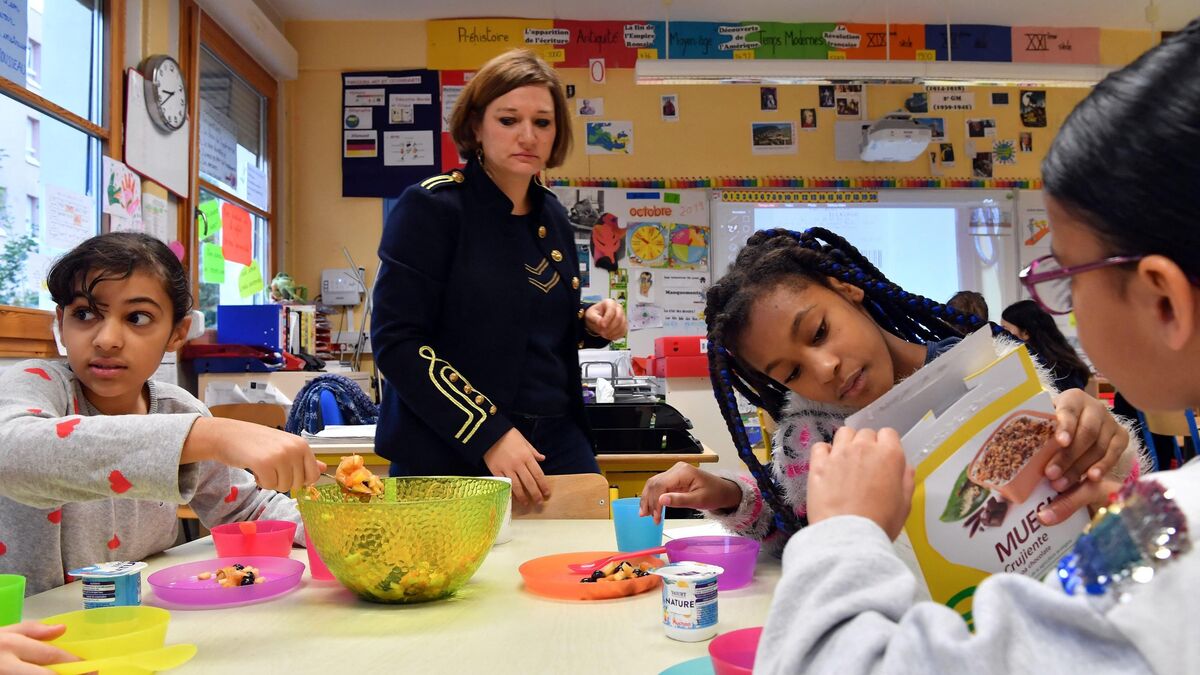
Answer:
(711, 138)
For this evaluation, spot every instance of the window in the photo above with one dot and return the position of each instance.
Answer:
(33, 63)
(234, 164)
(33, 140)
(34, 216)
(54, 111)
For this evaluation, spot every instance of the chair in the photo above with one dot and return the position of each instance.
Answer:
(1170, 425)
(572, 496)
(266, 414)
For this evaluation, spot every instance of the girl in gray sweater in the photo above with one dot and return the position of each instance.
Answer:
(1120, 180)
(95, 457)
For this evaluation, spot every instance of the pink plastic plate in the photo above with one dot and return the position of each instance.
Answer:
(179, 585)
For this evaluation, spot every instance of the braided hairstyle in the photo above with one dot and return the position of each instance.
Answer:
(775, 257)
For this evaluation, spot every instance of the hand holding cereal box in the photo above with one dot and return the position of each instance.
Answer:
(979, 431)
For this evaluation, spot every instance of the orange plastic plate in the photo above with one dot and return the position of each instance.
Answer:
(549, 576)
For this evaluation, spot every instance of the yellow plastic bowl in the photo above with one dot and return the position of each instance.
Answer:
(419, 541)
(111, 631)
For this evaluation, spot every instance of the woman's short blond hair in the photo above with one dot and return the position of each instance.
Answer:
(511, 70)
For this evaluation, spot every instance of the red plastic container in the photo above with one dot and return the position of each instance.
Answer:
(736, 555)
(256, 537)
(733, 652)
(680, 345)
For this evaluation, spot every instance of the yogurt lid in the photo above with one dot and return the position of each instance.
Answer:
(109, 569)
(688, 570)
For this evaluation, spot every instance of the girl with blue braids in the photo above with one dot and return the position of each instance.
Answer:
(806, 328)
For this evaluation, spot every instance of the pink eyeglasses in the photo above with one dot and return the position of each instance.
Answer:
(1050, 284)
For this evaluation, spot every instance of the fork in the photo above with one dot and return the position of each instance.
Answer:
(585, 568)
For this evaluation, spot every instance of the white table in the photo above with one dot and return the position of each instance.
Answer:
(491, 625)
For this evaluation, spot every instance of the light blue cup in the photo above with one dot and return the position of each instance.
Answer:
(634, 533)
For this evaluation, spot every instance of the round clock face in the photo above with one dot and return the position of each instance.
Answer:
(166, 96)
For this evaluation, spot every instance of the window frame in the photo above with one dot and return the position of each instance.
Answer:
(26, 332)
(203, 30)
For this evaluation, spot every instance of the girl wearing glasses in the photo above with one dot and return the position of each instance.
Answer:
(808, 329)
(1120, 180)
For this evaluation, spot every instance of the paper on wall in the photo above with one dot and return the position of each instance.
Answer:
(450, 94)
(645, 315)
(357, 118)
(256, 186)
(122, 197)
(218, 145)
(70, 217)
(408, 148)
(155, 218)
(14, 38)
(364, 97)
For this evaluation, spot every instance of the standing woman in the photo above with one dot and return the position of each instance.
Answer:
(477, 317)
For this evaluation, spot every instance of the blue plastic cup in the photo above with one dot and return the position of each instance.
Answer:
(634, 533)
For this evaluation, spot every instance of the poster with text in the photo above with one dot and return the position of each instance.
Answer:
(392, 144)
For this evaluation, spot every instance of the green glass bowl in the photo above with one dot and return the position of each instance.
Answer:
(419, 541)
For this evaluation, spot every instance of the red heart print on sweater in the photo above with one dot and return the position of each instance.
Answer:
(39, 372)
(114, 543)
(233, 492)
(3, 548)
(118, 482)
(55, 516)
(65, 427)
(34, 411)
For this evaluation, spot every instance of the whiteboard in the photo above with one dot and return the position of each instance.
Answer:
(968, 260)
(155, 154)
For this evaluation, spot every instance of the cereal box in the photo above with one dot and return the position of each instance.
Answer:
(979, 431)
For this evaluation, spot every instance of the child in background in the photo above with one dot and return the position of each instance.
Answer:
(971, 303)
(806, 328)
(95, 455)
(1120, 181)
(1036, 327)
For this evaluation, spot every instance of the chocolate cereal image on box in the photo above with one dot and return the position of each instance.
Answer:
(1012, 460)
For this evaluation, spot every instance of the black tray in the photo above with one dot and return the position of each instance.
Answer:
(635, 416)
(645, 441)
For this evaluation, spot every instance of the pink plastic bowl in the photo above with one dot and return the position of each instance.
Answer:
(260, 537)
(736, 555)
(733, 653)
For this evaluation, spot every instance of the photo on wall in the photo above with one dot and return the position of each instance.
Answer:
(1033, 108)
(768, 98)
(610, 138)
(937, 126)
(773, 138)
(947, 152)
(670, 108)
(808, 119)
(589, 107)
(825, 96)
(850, 101)
(981, 165)
(1026, 141)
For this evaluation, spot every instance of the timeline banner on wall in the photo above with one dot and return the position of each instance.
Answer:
(779, 40)
(1045, 44)
(464, 44)
(391, 128)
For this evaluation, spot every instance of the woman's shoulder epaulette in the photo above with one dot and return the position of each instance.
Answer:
(440, 181)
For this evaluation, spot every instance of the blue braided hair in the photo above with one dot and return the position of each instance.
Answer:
(779, 256)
